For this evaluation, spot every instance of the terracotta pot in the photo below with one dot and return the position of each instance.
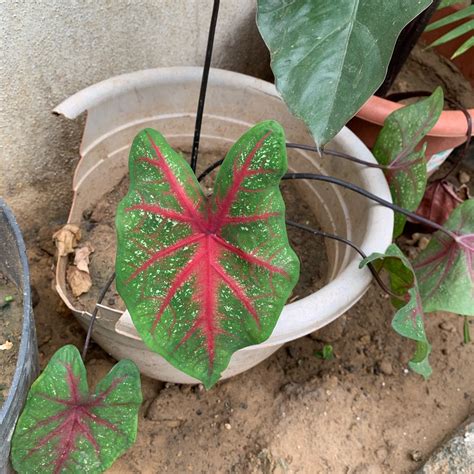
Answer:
(451, 129)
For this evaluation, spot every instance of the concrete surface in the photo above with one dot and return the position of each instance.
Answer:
(53, 48)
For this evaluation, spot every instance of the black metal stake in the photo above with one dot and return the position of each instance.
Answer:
(204, 80)
(102, 294)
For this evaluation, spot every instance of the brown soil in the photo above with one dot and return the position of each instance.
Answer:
(11, 322)
(425, 69)
(361, 412)
(98, 228)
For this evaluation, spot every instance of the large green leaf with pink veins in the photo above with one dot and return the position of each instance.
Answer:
(445, 269)
(65, 429)
(204, 277)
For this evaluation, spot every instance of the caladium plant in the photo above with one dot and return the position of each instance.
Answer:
(204, 277)
(408, 320)
(397, 149)
(64, 428)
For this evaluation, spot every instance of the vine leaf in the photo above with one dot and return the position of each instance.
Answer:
(445, 269)
(396, 148)
(328, 58)
(408, 320)
(63, 428)
(202, 277)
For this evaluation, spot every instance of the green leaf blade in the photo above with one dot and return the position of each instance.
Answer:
(454, 33)
(64, 429)
(456, 16)
(396, 148)
(329, 57)
(408, 320)
(203, 278)
(445, 269)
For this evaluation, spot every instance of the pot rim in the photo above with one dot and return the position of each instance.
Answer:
(27, 324)
(351, 283)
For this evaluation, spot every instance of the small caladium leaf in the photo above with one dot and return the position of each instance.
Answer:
(408, 320)
(445, 269)
(396, 146)
(201, 277)
(63, 428)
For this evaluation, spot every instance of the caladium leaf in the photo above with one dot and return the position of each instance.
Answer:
(201, 277)
(396, 148)
(445, 269)
(408, 320)
(63, 428)
(328, 58)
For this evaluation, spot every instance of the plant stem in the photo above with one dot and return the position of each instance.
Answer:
(335, 153)
(373, 197)
(466, 332)
(94, 314)
(210, 168)
(405, 43)
(202, 93)
(351, 244)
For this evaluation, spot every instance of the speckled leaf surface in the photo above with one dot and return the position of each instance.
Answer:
(408, 320)
(64, 429)
(445, 269)
(396, 147)
(329, 57)
(204, 277)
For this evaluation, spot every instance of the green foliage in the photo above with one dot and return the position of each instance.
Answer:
(397, 148)
(328, 58)
(408, 320)
(203, 278)
(445, 269)
(63, 428)
(327, 352)
(456, 32)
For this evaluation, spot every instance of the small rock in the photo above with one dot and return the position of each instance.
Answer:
(365, 339)
(416, 455)
(385, 367)
(447, 326)
(227, 426)
(332, 332)
(464, 177)
(381, 453)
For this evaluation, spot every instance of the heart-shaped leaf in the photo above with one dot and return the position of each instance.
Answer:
(63, 428)
(395, 148)
(445, 269)
(408, 320)
(201, 277)
(328, 58)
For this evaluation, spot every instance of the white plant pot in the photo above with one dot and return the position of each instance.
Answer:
(166, 99)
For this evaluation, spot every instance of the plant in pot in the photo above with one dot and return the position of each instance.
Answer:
(205, 275)
(435, 49)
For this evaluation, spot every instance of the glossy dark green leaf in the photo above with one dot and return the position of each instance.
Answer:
(408, 320)
(396, 148)
(65, 429)
(329, 57)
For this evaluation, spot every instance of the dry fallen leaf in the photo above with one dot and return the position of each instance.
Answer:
(79, 281)
(66, 239)
(6, 346)
(81, 257)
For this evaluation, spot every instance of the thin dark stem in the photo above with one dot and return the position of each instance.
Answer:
(202, 93)
(210, 168)
(335, 153)
(409, 36)
(102, 294)
(351, 244)
(373, 197)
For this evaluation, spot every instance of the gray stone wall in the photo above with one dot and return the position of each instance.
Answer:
(49, 49)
